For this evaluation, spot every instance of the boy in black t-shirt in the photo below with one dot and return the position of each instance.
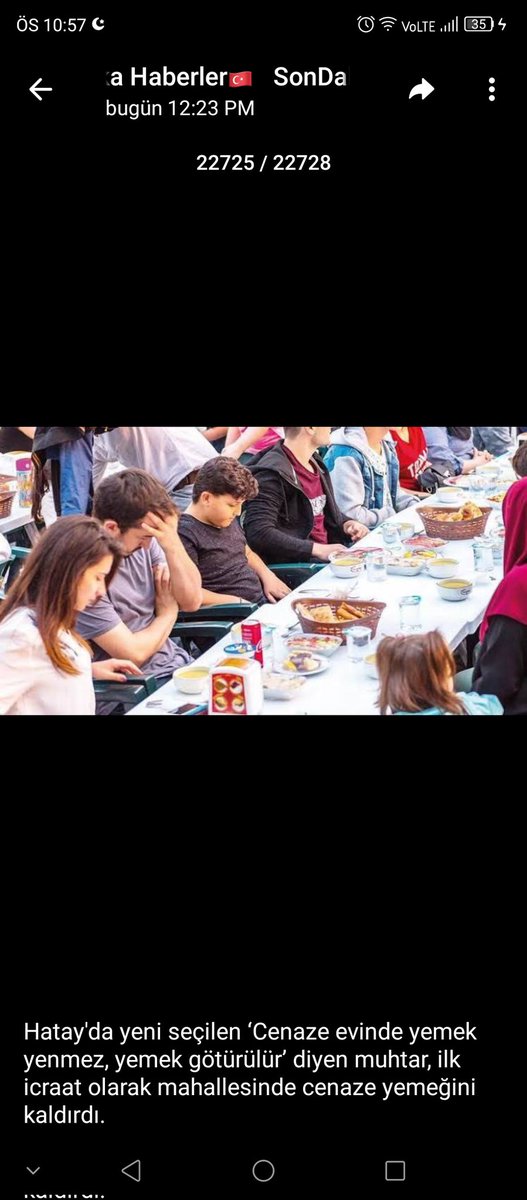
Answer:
(214, 540)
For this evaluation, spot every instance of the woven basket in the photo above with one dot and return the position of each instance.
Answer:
(6, 498)
(452, 531)
(371, 611)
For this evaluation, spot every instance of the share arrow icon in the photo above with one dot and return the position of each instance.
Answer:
(421, 89)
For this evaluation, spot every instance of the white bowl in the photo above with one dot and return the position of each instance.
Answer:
(449, 496)
(455, 593)
(443, 568)
(345, 566)
(191, 680)
(280, 687)
(406, 529)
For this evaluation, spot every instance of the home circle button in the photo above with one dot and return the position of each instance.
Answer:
(263, 1170)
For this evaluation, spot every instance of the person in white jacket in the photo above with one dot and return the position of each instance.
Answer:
(365, 474)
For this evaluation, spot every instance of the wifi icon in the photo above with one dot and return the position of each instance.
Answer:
(388, 22)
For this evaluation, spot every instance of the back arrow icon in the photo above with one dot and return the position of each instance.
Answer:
(421, 89)
(36, 89)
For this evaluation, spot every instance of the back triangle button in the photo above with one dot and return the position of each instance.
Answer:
(133, 1170)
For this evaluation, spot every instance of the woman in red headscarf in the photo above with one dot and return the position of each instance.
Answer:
(501, 668)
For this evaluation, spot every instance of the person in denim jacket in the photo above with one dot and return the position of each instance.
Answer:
(365, 474)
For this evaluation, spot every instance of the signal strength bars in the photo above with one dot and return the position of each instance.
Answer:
(451, 26)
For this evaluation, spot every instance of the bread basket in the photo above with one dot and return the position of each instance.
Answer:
(452, 531)
(7, 496)
(370, 614)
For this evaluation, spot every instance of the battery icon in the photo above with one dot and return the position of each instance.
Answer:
(479, 24)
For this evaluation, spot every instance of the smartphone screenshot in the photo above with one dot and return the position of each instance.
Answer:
(291, 995)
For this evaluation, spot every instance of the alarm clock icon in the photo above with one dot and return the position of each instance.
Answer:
(366, 24)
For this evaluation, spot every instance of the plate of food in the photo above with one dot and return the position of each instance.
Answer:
(459, 481)
(280, 687)
(423, 542)
(410, 564)
(298, 663)
(497, 500)
(424, 555)
(362, 553)
(312, 643)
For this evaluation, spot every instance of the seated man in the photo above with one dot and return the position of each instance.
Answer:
(295, 517)
(155, 578)
(214, 540)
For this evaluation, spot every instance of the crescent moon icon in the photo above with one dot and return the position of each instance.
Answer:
(97, 23)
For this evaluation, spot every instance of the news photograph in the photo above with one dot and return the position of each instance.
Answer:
(286, 571)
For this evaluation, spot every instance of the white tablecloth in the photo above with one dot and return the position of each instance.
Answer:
(19, 517)
(345, 688)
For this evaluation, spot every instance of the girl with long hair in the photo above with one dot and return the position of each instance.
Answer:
(45, 666)
(416, 676)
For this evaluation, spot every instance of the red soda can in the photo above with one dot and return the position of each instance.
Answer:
(252, 633)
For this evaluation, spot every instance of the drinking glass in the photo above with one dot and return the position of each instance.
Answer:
(358, 641)
(376, 567)
(410, 613)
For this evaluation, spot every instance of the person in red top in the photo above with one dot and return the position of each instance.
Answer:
(410, 444)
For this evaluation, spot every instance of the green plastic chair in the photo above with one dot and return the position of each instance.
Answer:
(294, 574)
(18, 554)
(463, 680)
(134, 691)
(129, 694)
(202, 633)
(219, 612)
(4, 574)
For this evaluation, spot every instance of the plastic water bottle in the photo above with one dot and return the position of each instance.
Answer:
(24, 476)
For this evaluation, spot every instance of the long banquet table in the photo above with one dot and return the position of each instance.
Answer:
(345, 688)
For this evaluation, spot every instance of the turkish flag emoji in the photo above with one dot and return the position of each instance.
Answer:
(241, 79)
